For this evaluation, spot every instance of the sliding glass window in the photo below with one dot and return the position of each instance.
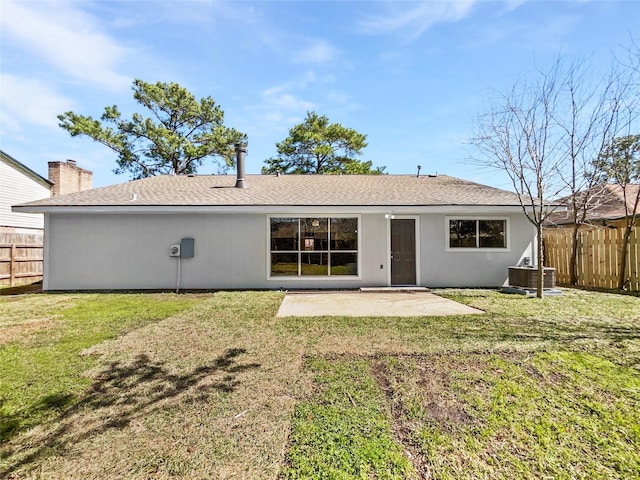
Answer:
(477, 233)
(314, 246)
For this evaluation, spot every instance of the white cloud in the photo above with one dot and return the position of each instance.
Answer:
(283, 97)
(416, 20)
(27, 100)
(511, 5)
(280, 107)
(67, 38)
(339, 98)
(279, 121)
(320, 51)
(281, 100)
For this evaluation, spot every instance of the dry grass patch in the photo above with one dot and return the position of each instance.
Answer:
(24, 330)
(21, 319)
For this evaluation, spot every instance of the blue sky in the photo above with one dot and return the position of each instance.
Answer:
(411, 75)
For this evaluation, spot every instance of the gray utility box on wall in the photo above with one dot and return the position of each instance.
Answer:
(187, 248)
(526, 277)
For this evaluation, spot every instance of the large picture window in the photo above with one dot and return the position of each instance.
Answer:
(313, 246)
(477, 233)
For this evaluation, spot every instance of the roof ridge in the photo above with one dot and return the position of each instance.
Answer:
(320, 190)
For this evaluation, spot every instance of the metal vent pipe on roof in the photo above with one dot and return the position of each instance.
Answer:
(241, 151)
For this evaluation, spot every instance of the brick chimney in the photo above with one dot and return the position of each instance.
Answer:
(67, 177)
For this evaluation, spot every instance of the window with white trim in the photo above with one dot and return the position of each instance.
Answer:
(313, 246)
(477, 233)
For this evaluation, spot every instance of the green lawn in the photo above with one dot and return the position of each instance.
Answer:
(217, 386)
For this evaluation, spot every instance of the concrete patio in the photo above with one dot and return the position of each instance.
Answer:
(370, 304)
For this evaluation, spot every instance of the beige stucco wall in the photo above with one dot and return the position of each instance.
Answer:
(131, 251)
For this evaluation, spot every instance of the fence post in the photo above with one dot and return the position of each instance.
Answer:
(12, 264)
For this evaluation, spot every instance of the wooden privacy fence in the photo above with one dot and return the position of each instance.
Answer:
(21, 258)
(599, 255)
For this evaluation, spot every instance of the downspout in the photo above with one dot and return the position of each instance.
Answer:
(178, 276)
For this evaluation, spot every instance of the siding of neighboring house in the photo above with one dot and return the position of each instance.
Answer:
(131, 251)
(16, 187)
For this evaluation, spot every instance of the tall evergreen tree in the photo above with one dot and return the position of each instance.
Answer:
(317, 146)
(176, 139)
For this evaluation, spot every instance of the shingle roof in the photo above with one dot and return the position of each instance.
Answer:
(285, 190)
(606, 203)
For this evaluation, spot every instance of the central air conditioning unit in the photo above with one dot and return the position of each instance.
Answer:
(527, 277)
(174, 250)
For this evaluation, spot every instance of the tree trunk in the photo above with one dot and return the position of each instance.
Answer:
(623, 258)
(540, 279)
(573, 260)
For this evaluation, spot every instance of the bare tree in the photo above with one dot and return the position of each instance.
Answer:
(547, 135)
(589, 118)
(519, 136)
(620, 164)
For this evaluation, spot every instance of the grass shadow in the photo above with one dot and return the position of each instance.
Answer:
(125, 392)
(13, 423)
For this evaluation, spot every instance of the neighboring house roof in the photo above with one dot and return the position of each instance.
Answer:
(606, 203)
(9, 160)
(285, 190)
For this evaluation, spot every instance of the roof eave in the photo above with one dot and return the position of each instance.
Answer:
(273, 208)
(26, 170)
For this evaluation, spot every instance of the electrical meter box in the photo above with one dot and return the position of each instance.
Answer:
(187, 248)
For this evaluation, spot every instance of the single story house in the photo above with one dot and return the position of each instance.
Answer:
(283, 232)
